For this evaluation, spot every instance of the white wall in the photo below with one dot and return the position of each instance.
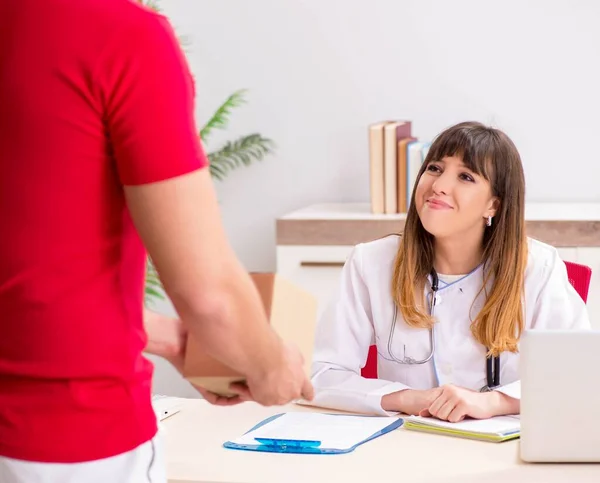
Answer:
(319, 71)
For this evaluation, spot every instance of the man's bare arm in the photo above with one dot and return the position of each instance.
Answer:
(179, 222)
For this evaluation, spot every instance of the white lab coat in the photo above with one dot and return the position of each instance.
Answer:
(361, 313)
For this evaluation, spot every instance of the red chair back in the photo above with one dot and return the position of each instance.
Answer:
(579, 277)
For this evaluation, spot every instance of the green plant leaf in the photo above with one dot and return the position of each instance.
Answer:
(232, 155)
(154, 293)
(184, 40)
(220, 119)
(241, 152)
(153, 289)
(153, 4)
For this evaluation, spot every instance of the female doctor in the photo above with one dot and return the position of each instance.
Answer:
(446, 302)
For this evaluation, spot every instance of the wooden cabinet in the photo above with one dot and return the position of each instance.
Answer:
(313, 243)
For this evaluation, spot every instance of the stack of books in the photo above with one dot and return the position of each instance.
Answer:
(395, 157)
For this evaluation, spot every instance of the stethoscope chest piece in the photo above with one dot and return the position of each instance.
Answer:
(492, 363)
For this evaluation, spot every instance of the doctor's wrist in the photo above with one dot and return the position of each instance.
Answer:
(501, 404)
(409, 401)
(392, 402)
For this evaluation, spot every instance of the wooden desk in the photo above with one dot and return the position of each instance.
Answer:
(194, 439)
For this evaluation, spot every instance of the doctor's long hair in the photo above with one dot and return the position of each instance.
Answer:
(490, 153)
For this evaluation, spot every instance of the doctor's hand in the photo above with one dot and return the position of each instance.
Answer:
(456, 403)
(410, 401)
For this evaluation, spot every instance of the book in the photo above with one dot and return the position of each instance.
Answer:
(402, 157)
(393, 133)
(313, 433)
(415, 156)
(496, 429)
(376, 175)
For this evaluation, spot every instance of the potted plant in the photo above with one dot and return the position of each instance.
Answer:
(231, 155)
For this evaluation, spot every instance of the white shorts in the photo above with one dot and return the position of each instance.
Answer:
(144, 464)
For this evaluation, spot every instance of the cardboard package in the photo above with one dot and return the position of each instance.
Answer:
(291, 311)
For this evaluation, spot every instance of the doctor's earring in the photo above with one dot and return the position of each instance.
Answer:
(488, 221)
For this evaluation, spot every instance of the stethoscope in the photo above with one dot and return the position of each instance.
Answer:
(492, 363)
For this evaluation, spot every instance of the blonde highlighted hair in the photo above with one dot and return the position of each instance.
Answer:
(490, 153)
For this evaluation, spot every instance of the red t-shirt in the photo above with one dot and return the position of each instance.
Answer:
(94, 95)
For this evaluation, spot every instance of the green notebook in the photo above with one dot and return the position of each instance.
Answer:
(496, 430)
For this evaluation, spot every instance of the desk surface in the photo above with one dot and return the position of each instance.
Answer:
(194, 439)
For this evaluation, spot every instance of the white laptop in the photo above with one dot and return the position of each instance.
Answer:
(560, 396)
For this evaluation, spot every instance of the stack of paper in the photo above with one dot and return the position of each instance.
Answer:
(497, 429)
(313, 433)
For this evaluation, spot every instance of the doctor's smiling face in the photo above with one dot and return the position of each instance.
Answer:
(452, 199)
(471, 171)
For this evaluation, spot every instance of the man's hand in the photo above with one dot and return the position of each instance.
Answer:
(281, 384)
(217, 400)
(167, 338)
(456, 403)
(410, 401)
(180, 224)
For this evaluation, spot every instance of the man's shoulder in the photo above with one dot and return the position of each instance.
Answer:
(110, 18)
(128, 9)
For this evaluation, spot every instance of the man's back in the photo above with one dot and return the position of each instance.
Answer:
(74, 129)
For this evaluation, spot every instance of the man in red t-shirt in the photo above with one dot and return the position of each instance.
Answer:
(100, 160)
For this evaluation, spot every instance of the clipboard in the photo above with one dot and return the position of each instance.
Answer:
(306, 446)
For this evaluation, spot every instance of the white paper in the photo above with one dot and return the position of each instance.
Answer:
(165, 406)
(334, 431)
(497, 425)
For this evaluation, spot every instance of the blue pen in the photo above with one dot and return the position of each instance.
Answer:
(291, 443)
